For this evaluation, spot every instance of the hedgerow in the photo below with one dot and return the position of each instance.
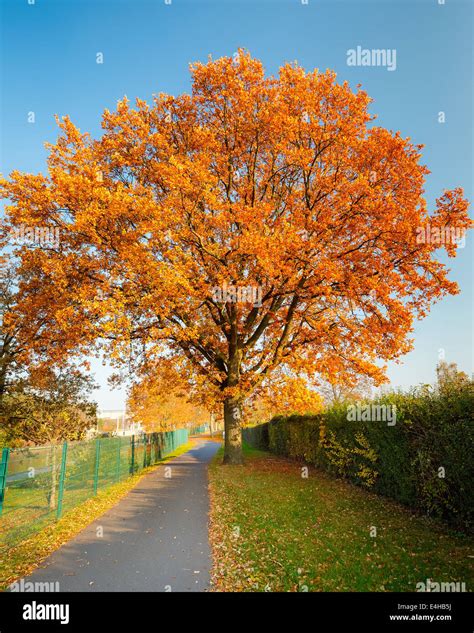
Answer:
(423, 459)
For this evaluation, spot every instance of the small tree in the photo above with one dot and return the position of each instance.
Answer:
(284, 395)
(334, 393)
(160, 401)
(49, 408)
(449, 378)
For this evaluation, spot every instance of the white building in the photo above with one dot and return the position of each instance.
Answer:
(117, 421)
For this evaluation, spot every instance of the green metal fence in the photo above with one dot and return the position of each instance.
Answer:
(38, 484)
(199, 430)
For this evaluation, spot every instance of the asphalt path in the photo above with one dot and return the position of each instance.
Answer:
(154, 539)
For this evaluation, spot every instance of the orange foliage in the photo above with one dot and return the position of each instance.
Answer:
(275, 183)
(160, 401)
(283, 396)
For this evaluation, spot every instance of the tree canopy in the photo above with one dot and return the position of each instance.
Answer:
(257, 223)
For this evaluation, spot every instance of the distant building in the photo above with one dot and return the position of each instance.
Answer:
(116, 421)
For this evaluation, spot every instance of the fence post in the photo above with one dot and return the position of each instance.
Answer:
(144, 449)
(118, 457)
(132, 466)
(159, 442)
(62, 474)
(3, 475)
(96, 465)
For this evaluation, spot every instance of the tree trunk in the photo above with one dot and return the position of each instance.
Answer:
(233, 432)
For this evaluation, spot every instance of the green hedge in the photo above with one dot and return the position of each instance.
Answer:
(256, 436)
(433, 436)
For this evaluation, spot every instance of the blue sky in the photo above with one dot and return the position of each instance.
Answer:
(49, 67)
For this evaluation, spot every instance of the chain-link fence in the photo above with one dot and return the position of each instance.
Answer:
(37, 484)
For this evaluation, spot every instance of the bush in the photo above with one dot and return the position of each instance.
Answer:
(424, 460)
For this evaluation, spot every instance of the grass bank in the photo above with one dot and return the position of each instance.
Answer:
(274, 530)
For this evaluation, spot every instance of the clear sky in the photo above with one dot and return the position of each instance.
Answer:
(49, 53)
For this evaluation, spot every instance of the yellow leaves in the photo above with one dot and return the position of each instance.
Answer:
(283, 395)
(343, 458)
(161, 400)
(251, 180)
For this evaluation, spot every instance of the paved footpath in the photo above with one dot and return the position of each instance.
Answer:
(154, 539)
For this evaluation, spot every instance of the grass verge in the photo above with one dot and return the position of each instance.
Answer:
(20, 560)
(273, 530)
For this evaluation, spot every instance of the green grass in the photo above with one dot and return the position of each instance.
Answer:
(273, 530)
(26, 508)
(20, 558)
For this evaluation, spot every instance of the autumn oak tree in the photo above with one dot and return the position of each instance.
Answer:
(280, 184)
